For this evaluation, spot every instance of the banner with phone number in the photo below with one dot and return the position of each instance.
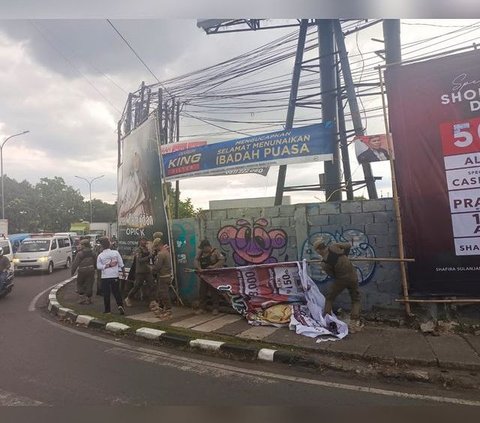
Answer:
(434, 109)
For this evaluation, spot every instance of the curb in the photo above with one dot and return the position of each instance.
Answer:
(244, 351)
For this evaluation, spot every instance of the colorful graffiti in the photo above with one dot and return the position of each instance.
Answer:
(360, 248)
(185, 250)
(251, 242)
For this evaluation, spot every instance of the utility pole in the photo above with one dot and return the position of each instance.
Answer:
(353, 104)
(393, 44)
(329, 104)
(177, 139)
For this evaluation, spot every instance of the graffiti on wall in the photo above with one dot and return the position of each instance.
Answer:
(360, 248)
(185, 250)
(252, 243)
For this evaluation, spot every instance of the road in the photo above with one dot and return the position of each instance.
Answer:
(46, 363)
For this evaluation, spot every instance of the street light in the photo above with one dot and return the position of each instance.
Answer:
(1, 165)
(90, 182)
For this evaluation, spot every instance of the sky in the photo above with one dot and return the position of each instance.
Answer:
(67, 80)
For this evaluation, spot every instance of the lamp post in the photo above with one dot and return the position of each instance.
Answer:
(1, 165)
(90, 182)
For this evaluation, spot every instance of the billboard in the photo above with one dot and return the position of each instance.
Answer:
(186, 145)
(297, 145)
(372, 148)
(434, 109)
(141, 210)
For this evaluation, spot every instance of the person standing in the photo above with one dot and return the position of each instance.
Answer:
(110, 263)
(162, 268)
(143, 273)
(335, 263)
(208, 258)
(4, 266)
(85, 262)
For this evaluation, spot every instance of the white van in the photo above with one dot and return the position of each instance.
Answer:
(43, 252)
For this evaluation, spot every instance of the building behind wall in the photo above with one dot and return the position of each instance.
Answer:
(246, 202)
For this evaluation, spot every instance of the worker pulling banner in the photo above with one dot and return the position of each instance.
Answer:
(277, 294)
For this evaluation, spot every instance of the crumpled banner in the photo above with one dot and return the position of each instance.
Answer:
(277, 294)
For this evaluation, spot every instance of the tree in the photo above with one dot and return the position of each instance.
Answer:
(185, 207)
(58, 204)
(20, 206)
(102, 212)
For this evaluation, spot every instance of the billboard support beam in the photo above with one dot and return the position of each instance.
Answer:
(353, 104)
(342, 130)
(282, 171)
(328, 88)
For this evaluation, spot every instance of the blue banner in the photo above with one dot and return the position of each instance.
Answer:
(298, 145)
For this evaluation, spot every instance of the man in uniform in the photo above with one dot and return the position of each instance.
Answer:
(162, 268)
(143, 272)
(85, 261)
(336, 264)
(4, 266)
(208, 258)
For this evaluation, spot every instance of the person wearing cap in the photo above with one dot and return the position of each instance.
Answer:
(162, 268)
(85, 263)
(143, 273)
(110, 263)
(208, 258)
(335, 263)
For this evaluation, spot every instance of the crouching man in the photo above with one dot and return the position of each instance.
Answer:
(335, 263)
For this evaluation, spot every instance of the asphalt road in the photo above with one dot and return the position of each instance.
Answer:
(43, 362)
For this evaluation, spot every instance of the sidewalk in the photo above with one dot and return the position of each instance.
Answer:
(375, 344)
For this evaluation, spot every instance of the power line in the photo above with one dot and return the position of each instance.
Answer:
(72, 64)
(133, 51)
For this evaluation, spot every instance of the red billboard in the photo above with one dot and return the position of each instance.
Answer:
(434, 109)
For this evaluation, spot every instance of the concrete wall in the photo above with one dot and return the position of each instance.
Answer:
(257, 235)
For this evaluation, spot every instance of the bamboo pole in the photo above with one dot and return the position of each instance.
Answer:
(375, 259)
(464, 300)
(396, 203)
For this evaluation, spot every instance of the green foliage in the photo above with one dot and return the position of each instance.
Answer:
(58, 204)
(101, 212)
(185, 207)
(50, 205)
(20, 206)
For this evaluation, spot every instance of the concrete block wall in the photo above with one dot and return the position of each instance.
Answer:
(285, 233)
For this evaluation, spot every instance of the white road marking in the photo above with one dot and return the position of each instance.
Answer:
(148, 354)
(32, 305)
(9, 399)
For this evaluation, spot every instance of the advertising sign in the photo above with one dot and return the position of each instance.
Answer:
(372, 148)
(304, 144)
(186, 145)
(141, 210)
(434, 111)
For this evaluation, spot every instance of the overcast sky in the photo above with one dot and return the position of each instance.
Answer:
(66, 81)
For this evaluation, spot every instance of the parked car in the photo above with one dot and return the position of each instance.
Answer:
(74, 241)
(44, 252)
(94, 237)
